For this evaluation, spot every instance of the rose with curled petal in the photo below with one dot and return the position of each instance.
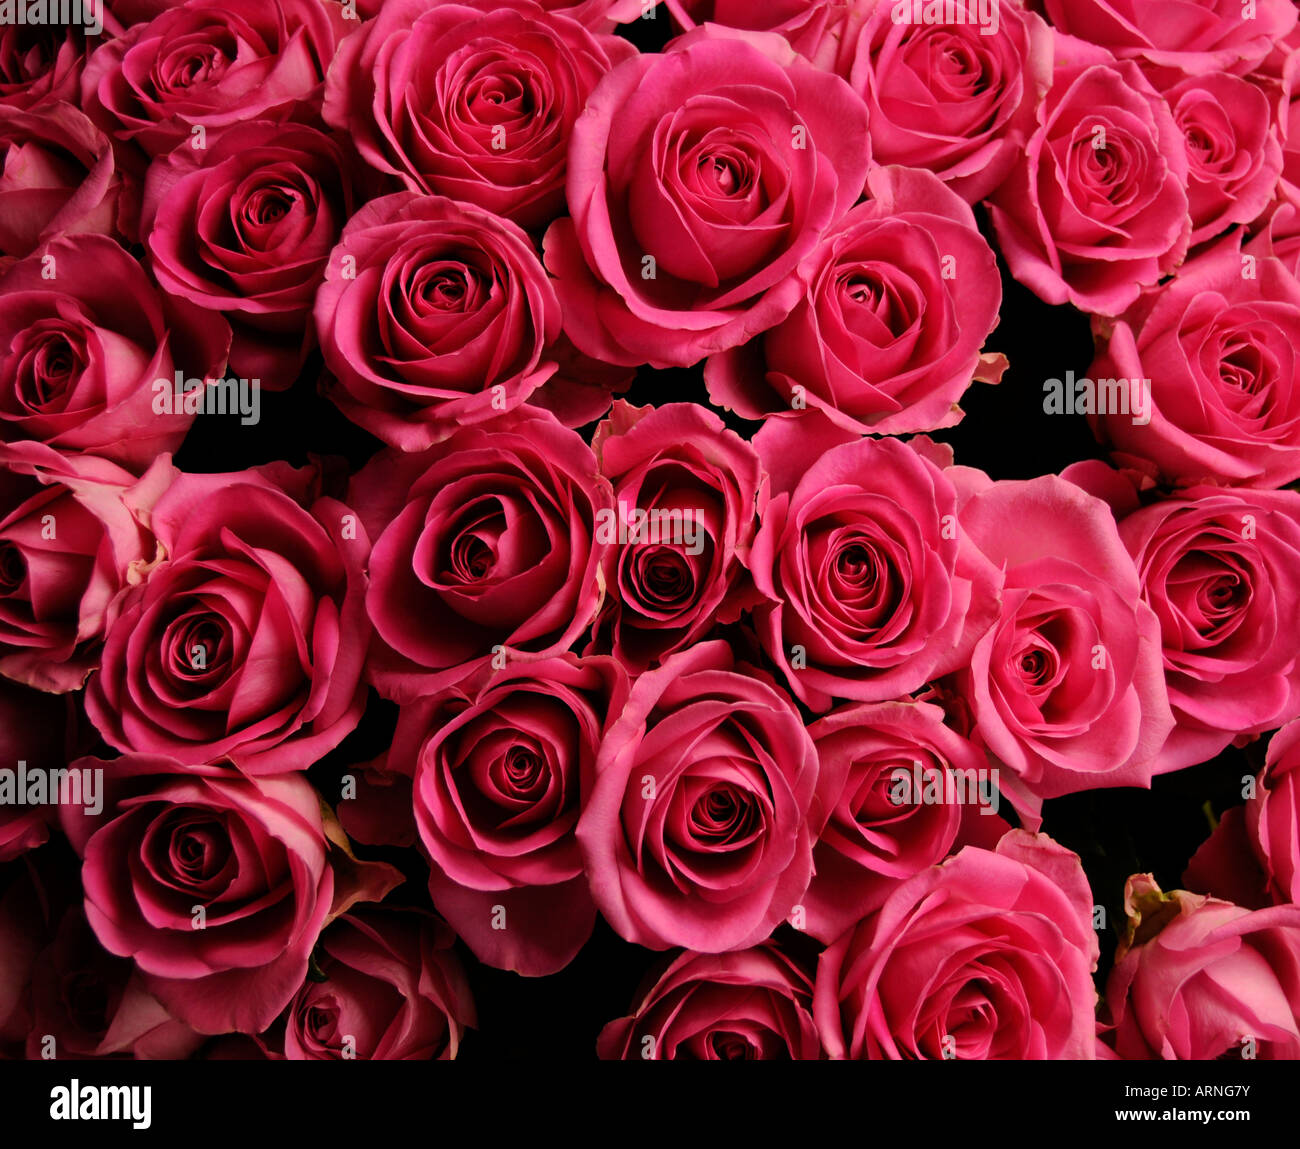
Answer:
(987, 957)
(1095, 207)
(485, 550)
(392, 990)
(41, 730)
(180, 844)
(474, 101)
(1219, 347)
(202, 65)
(244, 227)
(698, 179)
(247, 641)
(697, 832)
(869, 588)
(41, 63)
(754, 1005)
(686, 497)
(433, 314)
(1272, 816)
(501, 765)
(1199, 979)
(900, 296)
(1218, 568)
(1279, 236)
(85, 336)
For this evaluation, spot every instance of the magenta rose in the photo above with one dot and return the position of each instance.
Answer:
(1198, 979)
(244, 227)
(1095, 207)
(696, 833)
(1279, 235)
(389, 989)
(474, 101)
(248, 640)
(40, 63)
(870, 588)
(698, 179)
(1067, 688)
(822, 30)
(899, 298)
(987, 957)
(433, 314)
(1217, 348)
(501, 767)
(484, 552)
(686, 497)
(41, 730)
(754, 1005)
(1273, 815)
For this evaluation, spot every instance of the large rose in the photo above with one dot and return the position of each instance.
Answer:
(485, 550)
(696, 833)
(698, 179)
(472, 104)
(1095, 207)
(247, 641)
(870, 588)
(900, 296)
(986, 957)
(755, 1005)
(1197, 979)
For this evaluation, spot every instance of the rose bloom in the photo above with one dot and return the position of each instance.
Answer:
(247, 641)
(987, 957)
(501, 766)
(1272, 819)
(1198, 979)
(433, 314)
(475, 101)
(1095, 207)
(202, 65)
(484, 552)
(85, 336)
(40, 63)
(696, 833)
(822, 30)
(698, 179)
(179, 844)
(392, 990)
(754, 1005)
(1218, 568)
(57, 177)
(598, 15)
(674, 569)
(870, 589)
(899, 298)
(1219, 345)
(245, 227)
(1067, 688)
(42, 730)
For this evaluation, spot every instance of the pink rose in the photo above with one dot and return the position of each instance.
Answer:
(696, 833)
(474, 101)
(698, 179)
(987, 957)
(871, 590)
(899, 298)
(40, 63)
(43, 731)
(1272, 819)
(1279, 236)
(484, 552)
(822, 30)
(1197, 979)
(755, 1005)
(1095, 208)
(247, 641)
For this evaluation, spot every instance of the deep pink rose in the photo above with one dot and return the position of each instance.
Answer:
(1219, 349)
(599, 15)
(1095, 208)
(987, 957)
(698, 179)
(41, 730)
(245, 226)
(247, 641)
(41, 63)
(871, 589)
(1067, 688)
(485, 550)
(1198, 979)
(899, 298)
(392, 990)
(822, 30)
(501, 767)
(1273, 816)
(475, 101)
(755, 1005)
(696, 833)
(1279, 236)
